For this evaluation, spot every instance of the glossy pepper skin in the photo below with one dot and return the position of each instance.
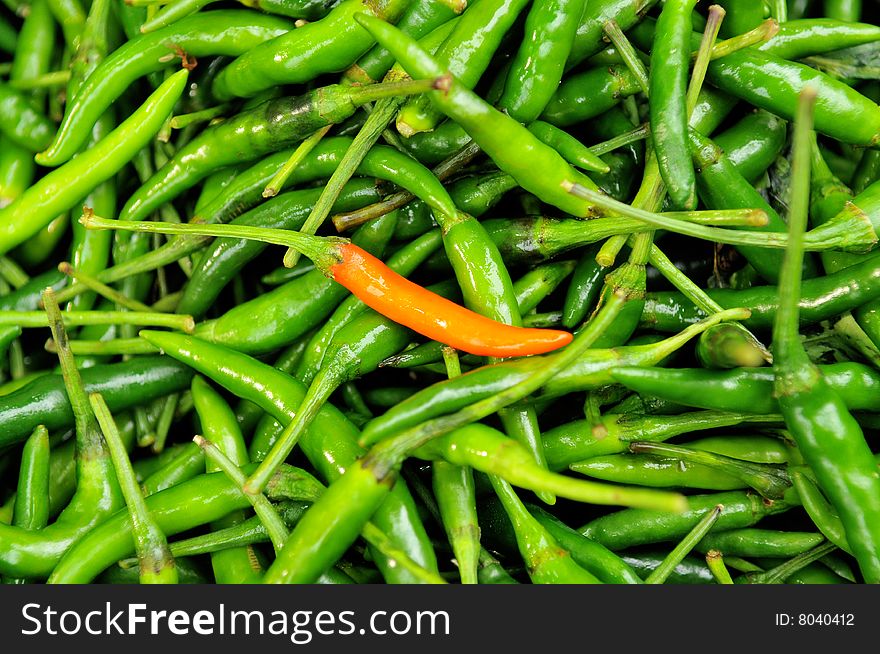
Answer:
(271, 126)
(123, 385)
(747, 389)
(822, 298)
(193, 503)
(537, 67)
(329, 45)
(466, 53)
(633, 527)
(225, 32)
(494, 132)
(62, 188)
(20, 122)
(670, 59)
(434, 317)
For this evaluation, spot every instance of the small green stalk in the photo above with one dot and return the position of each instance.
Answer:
(280, 178)
(383, 112)
(763, 32)
(102, 289)
(321, 250)
(154, 556)
(628, 53)
(185, 120)
(635, 135)
(701, 64)
(268, 515)
(715, 562)
(661, 573)
(80, 318)
(780, 573)
(115, 347)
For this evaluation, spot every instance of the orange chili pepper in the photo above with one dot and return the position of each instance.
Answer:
(379, 287)
(431, 315)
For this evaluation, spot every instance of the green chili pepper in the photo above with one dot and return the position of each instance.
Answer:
(593, 370)
(182, 507)
(227, 32)
(490, 129)
(821, 298)
(746, 389)
(329, 45)
(269, 127)
(828, 437)
(31, 507)
(632, 527)
(34, 554)
(465, 53)
(668, 82)
(62, 188)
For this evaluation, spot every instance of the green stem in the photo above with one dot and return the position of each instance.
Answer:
(722, 217)
(715, 562)
(268, 515)
(102, 289)
(80, 318)
(383, 113)
(757, 239)
(682, 282)
(185, 120)
(156, 562)
(280, 178)
(782, 572)
(373, 92)
(443, 170)
(323, 251)
(704, 54)
(667, 566)
(452, 362)
(115, 347)
(626, 50)
(763, 32)
(635, 135)
(786, 327)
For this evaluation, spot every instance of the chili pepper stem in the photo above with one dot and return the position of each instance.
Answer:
(323, 385)
(373, 92)
(715, 563)
(268, 516)
(763, 32)
(302, 150)
(154, 557)
(323, 251)
(662, 572)
(783, 571)
(701, 64)
(78, 318)
(102, 289)
(815, 240)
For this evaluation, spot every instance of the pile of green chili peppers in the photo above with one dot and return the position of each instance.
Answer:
(188, 394)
